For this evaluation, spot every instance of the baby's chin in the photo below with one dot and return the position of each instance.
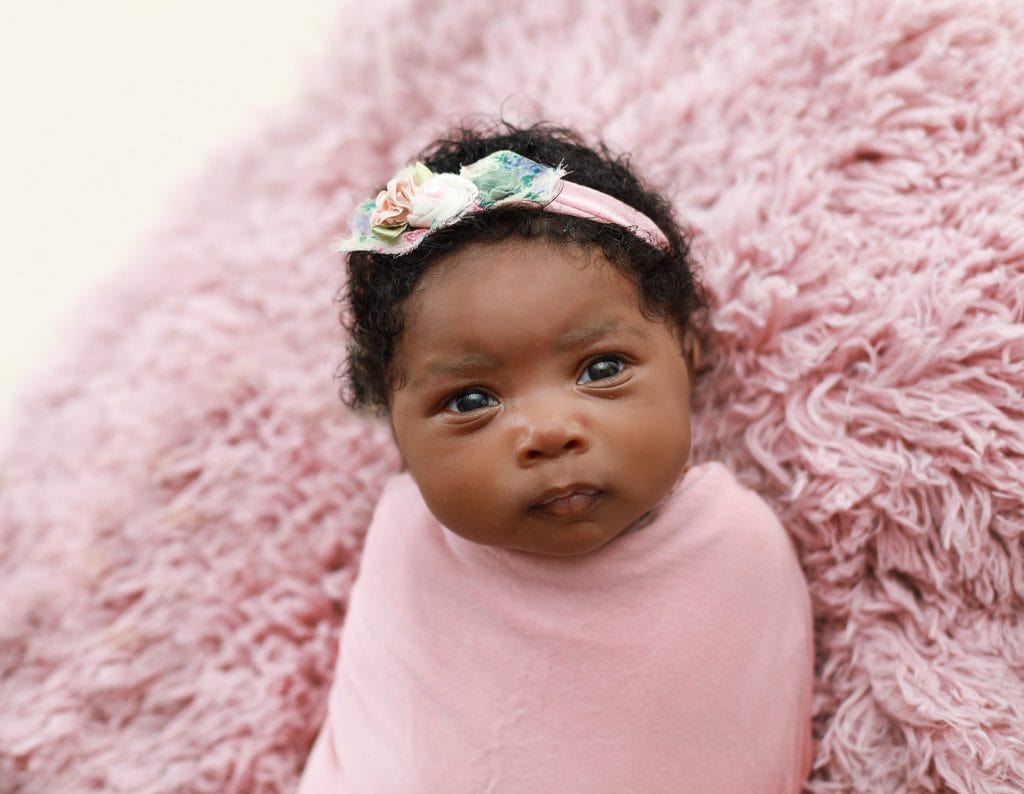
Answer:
(572, 541)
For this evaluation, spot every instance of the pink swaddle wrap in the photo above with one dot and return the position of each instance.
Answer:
(676, 658)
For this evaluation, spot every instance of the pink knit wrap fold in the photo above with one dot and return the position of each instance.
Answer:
(675, 658)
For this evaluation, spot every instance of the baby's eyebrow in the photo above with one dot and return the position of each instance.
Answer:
(461, 367)
(581, 337)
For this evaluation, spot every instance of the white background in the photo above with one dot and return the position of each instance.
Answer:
(107, 105)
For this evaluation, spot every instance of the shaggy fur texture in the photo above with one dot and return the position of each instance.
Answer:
(183, 502)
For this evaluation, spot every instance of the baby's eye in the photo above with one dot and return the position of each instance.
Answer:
(473, 400)
(602, 369)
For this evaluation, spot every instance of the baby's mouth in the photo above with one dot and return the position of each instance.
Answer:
(575, 500)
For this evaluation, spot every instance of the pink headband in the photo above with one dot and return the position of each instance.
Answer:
(585, 202)
(417, 202)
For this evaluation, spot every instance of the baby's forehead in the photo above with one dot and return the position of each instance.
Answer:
(482, 273)
(520, 286)
(560, 296)
(517, 249)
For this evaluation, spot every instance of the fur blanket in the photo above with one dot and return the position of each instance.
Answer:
(183, 500)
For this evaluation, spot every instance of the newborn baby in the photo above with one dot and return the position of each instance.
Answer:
(551, 598)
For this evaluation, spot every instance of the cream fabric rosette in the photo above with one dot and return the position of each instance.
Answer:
(439, 199)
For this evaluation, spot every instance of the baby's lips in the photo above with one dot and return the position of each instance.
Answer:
(575, 500)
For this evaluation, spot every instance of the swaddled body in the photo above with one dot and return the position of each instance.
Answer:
(677, 658)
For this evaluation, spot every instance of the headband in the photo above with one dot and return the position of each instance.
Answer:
(417, 202)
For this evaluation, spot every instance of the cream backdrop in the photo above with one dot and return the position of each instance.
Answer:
(108, 106)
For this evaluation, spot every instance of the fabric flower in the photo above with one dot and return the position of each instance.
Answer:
(395, 201)
(417, 201)
(439, 199)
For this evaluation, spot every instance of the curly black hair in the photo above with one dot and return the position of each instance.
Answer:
(373, 301)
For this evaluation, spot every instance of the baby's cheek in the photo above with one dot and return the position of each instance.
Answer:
(456, 498)
(665, 450)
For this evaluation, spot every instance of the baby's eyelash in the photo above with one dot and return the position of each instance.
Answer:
(605, 367)
(452, 402)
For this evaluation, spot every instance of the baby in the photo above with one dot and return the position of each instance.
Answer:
(551, 599)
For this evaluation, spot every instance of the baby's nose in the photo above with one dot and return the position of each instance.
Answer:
(548, 430)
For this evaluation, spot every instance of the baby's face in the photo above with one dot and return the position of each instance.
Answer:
(536, 407)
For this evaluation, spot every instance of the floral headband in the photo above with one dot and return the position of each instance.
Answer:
(417, 202)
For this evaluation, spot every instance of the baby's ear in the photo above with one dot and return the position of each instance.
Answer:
(391, 427)
(691, 350)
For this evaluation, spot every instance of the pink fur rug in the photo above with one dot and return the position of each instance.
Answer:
(183, 500)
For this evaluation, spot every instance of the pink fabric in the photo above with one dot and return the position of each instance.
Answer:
(678, 658)
(584, 202)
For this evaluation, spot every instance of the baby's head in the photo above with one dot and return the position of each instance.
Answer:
(531, 342)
